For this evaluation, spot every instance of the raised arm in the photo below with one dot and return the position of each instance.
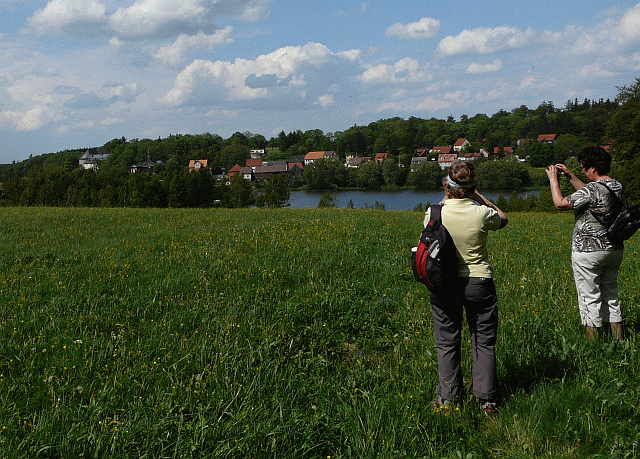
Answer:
(558, 200)
(575, 181)
(485, 202)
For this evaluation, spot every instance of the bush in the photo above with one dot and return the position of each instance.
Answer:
(327, 201)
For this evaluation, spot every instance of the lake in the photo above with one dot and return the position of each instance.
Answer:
(392, 200)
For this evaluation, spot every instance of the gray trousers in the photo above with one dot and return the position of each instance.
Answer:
(478, 298)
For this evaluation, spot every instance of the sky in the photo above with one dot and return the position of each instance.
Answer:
(75, 74)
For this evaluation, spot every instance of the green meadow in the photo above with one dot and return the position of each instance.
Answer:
(170, 333)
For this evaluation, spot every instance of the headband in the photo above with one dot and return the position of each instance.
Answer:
(452, 183)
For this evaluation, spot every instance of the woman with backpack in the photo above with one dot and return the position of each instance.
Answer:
(595, 259)
(468, 216)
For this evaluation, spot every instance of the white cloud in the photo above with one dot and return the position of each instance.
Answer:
(174, 54)
(325, 100)
(352, 55)
(529, 81)
(423, 29)
(629, 27)
(406, 70)
(594, 71)
(494, 94)
(79, 17)
(476, 69)
(29, 120)
(124, 92)
(485, 40)
(164, 18)
(253, 11)
(457, 96)
(432, 104)
(115, 43)
(285, 77)
(610, 37)
(144, 18)
(360, 9)
(117, 92)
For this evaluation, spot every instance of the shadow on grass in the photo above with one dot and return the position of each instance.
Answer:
(524, 375)
(540, 354)
(631, 323)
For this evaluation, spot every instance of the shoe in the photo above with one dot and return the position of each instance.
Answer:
(489, 408)
(441, 404)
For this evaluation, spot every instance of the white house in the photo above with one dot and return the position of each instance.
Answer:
(92, 156)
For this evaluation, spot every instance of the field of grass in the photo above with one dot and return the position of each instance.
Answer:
(286, 333)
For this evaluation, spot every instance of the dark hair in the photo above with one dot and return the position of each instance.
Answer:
(596, 157)
(463, 173)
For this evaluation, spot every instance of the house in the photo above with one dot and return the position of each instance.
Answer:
(267, 170)
(275, 163)
(441, 149)
(472, 156)
(91, 158)
(446, 159)
(247, 174)
(505, 150)
(418, 161)
(313, 156)
(461, 144)
(381, 157)
(237, 169)
(295, 170)
(147, 167)
(548, 138)
(197, 164)
(257, 154)
(421, 152)
(356, 161)
(353, 162)
(253, 163)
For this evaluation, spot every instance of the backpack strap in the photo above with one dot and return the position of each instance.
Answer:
(619, 201)
(613, 193)
(435, 220)
(436, 213)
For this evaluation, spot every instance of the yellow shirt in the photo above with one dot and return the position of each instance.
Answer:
(469, 225)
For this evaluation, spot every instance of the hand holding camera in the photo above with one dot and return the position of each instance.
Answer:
(556, 171)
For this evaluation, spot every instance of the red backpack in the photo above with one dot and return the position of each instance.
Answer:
(434, 259)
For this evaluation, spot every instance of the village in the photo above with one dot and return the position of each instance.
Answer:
(259, 168)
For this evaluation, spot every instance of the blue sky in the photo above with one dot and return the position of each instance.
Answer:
(78, 73)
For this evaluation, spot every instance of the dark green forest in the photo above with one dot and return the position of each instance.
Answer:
(55, 179)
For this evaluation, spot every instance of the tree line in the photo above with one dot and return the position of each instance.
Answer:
(56, 179)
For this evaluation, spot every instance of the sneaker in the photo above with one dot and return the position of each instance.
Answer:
(441, 404)
(489, 408)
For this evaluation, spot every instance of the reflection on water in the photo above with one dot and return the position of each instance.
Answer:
(392, 200)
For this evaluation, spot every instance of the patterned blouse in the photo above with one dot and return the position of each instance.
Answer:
(589, 235)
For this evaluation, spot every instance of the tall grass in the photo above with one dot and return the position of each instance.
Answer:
(289, 333)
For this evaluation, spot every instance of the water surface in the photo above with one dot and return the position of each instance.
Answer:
(392, 200)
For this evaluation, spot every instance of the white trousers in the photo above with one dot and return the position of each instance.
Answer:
(596, 278)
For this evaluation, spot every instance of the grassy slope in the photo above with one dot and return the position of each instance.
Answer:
(288, 333)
